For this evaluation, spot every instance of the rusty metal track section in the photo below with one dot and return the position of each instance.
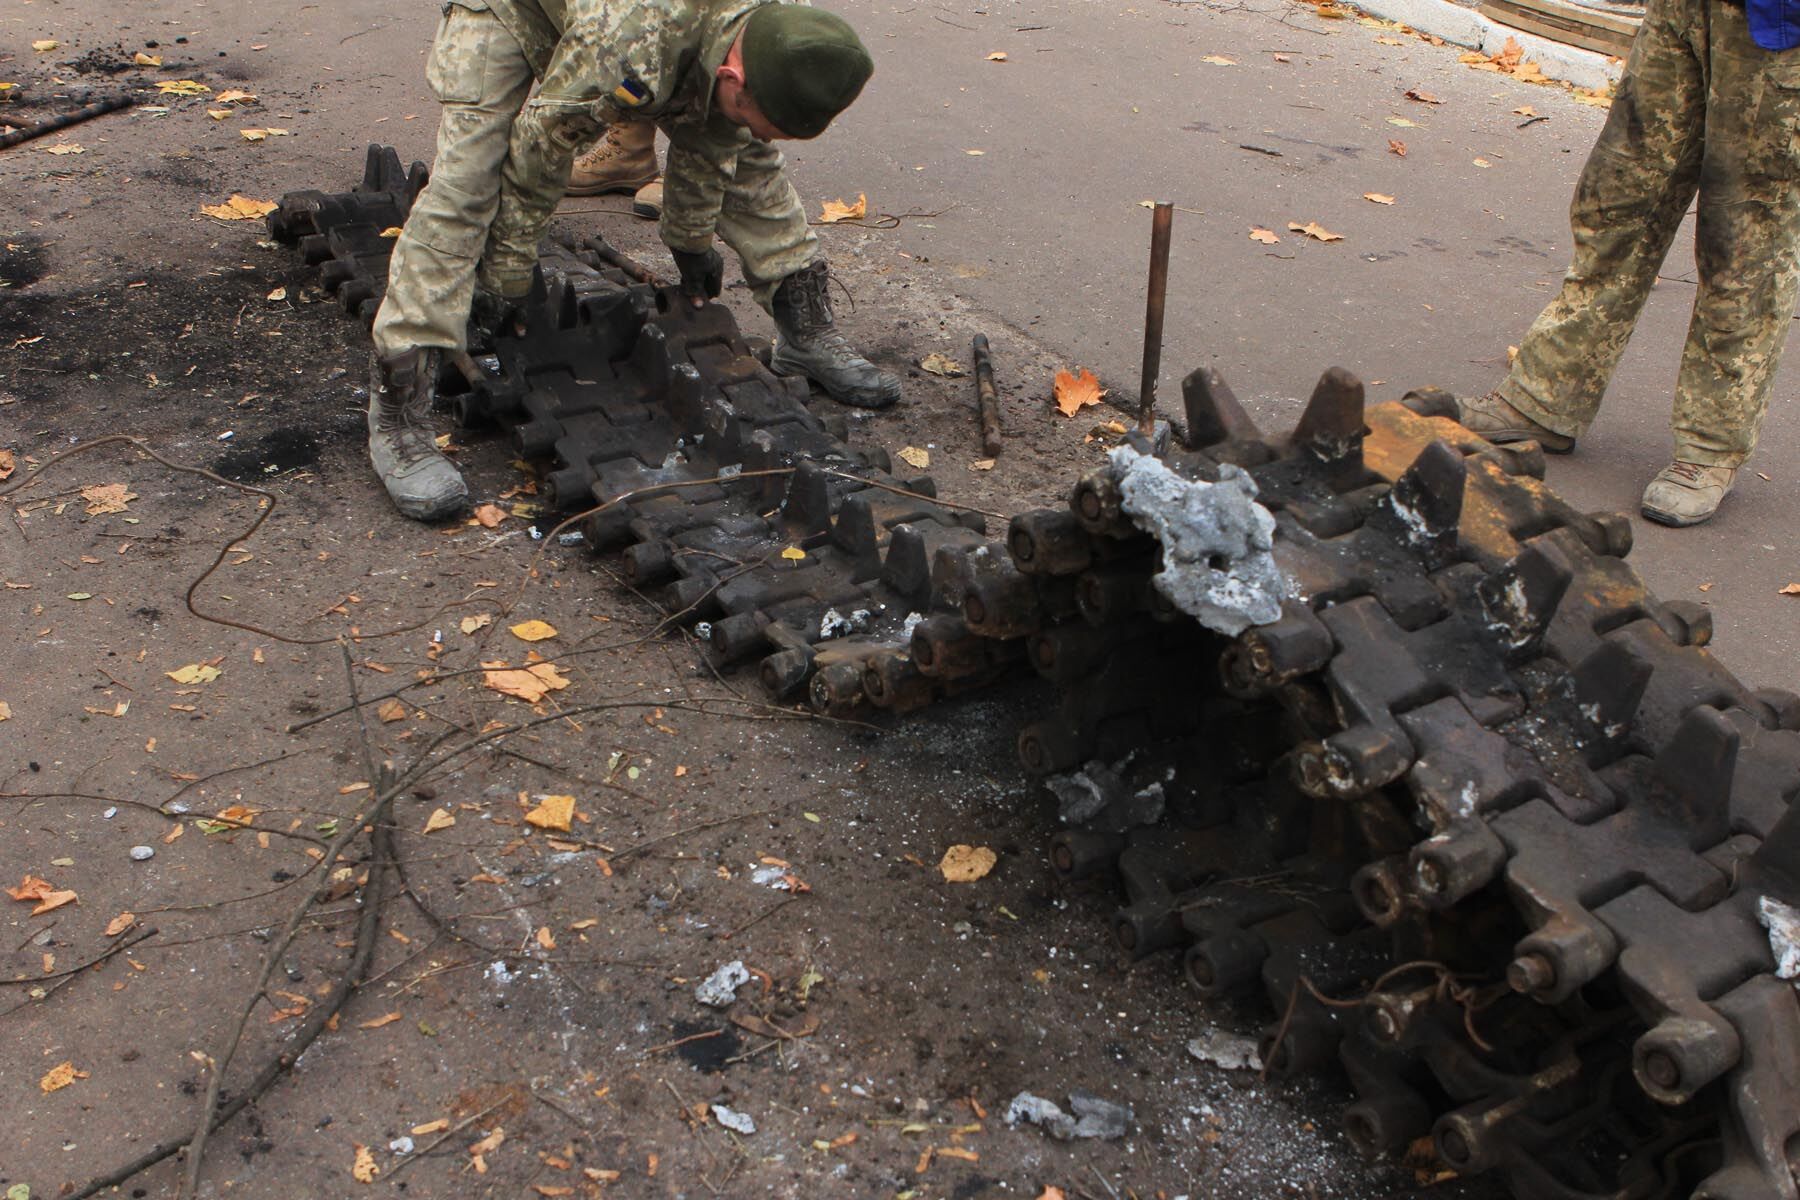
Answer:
(1483, 820)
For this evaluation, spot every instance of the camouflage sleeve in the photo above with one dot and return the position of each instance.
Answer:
(702, 160)
(588, 84)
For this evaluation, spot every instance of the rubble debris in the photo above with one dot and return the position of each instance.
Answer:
(1227, 1051)
(1783, 923)
(732, 1119)
(719, 990)
(1217, 564)
(142, 853)
(1094, 1117)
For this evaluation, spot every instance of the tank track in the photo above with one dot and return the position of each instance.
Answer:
(1483, 820)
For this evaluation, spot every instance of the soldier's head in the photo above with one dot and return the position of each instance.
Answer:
(791, 70)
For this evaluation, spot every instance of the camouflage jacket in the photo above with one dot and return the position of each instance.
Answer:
(600, 61)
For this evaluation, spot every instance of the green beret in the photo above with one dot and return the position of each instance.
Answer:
(803, 66)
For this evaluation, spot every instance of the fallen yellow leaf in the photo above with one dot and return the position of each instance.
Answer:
(1218, 60)
(182, 87)
(1397, 148)
(5, 711)
(966, 864)
(378, 1022)
(793, 553)
(545, 938)
(194, 673)
(478, 621)
(66, 148)
(997, 56)
(1267, 237)
(1792, 589)
(983, 464)
(218, 114)
(941, 364)
(235, 96)
(106, 498)
(1377, 198)
(257, 135)
(392, 231)
(837, 210)
(488, 515)
(552, 812)
(392, 709)
(45, 45)
(146, 60)
(60, 1076)
(437, 1126)
(1316, 231)
(440, 818)
(914, 456)
(528, 683)
(1077, 391)
(120, 924)
(533, 631)
(239, 208)
(1402, 122)
(364, 1169)
(1422, 97)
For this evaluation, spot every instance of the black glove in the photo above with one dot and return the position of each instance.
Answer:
(702, 274)
(490, 316)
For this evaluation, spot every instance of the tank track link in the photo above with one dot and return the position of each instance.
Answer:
(1481, 819)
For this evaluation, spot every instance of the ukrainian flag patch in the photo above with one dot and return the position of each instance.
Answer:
(631, 93)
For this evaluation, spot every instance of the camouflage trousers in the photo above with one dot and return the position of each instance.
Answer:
(715, 183)
(1701, 108)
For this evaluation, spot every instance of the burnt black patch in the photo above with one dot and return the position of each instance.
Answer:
(274, 453)
(22, 260)
(708, 1054)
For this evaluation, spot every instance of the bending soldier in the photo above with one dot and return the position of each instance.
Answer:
(723, 78)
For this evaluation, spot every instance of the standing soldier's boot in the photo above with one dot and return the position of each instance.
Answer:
(809, 344)
(623, 160)
(421, 481)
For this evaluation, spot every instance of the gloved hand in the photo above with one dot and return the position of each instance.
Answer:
(702, 273)
(490, 315)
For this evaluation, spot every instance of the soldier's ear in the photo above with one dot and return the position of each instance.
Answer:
(730, 71)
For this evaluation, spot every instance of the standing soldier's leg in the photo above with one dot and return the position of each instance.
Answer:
(762, 220)
(480, 75)
(623, 160)
(1629, 201)
(1745, 251)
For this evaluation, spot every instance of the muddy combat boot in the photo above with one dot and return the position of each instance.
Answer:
(807, 343)
(1501, 423)
(623, 160)
(1687, 493)
(421, 481)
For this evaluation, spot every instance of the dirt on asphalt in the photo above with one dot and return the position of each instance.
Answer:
(175, 750)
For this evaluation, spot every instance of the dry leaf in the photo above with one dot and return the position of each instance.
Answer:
(1076, 392)
(194, 673)
(7, 463)
(147, 60)
(490, 1143)
(552, 812)
(364, 1169)
(997, 56)
(1218, 60)
(45, 45)
(1482, 162)
(1377, 198)
(258, 135)
(975, 153)
(182, 87)
(1402, 122)
(66, 148)
(983, 464)
(60, 1076)
(1525, 110)
(966, 864)
(533, 631)
(5, 711)
(239, 208)
(1316, 231)
(106, 498)
(1389, 41)
(529, 684)
(437, 1126)
(218, 114)
(1792, 589)
(914, 456)
(488, 515)
(235, 96)
(392, 709)
(392, 231)
(1422, 97)
(1591, 96)
(545, 938)
(837, 210)
(440, 818)
(1267, 237)
(378, 1022)
(120, 924)
(937, 364)
(1396, 148)
(1706, 587)
(478, 621)
(793, 553)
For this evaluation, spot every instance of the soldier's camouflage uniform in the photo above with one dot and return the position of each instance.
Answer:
(1701, 108)
(502, 162)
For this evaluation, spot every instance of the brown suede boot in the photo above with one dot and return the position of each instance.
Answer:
(623, 160)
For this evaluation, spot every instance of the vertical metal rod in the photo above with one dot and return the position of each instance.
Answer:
(1161, 217)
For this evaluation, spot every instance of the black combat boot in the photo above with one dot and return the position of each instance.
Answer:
(809, 344)
(421, 481)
